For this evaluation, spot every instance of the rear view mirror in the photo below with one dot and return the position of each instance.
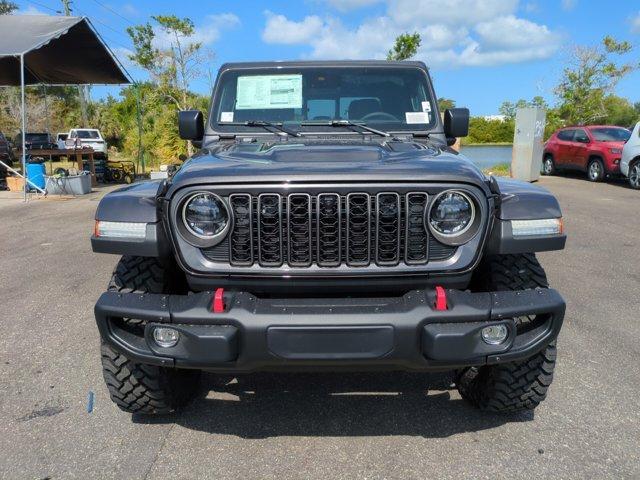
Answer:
(456, 122)
(191, 125)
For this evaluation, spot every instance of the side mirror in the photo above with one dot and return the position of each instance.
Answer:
(456, 123)
(191, 125)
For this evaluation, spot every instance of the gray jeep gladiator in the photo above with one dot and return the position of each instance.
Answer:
(326, 224)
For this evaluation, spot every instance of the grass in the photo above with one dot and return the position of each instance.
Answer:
(499, 170)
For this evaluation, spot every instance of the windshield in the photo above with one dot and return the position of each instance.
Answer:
(611, 134)
(390, 98)
(88, 134)
(37, 137)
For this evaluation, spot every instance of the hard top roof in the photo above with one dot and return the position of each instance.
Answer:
(323, 63)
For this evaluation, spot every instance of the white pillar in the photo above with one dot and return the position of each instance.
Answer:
(24, 122)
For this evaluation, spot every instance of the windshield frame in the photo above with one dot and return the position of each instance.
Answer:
(215, 128)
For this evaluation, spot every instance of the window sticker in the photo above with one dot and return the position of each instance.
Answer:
(226, 117)
(269, 91)
(416, 117)
(426, 106)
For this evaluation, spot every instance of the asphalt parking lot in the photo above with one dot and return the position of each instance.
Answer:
(316, 426)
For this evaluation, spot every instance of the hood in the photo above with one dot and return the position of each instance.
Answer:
(319, 162)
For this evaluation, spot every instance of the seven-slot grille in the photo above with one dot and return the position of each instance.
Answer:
(329, 230)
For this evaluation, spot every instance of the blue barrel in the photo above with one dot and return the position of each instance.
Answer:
(35, 174)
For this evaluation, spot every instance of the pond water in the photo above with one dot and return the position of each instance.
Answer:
(488, 155)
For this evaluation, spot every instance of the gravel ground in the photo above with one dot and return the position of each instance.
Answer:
(316, 426)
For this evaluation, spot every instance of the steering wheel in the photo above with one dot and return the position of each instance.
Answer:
(379, 116)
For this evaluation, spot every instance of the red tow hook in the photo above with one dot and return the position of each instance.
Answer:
(218, 301)
(441, 299)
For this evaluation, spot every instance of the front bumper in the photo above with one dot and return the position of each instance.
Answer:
(406, 332)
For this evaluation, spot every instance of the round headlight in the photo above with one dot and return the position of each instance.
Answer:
(205, 215)
(451, 215)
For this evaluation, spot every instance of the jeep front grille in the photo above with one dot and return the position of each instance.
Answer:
(328, 230)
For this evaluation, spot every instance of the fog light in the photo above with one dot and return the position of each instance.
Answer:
(166, 337)
(495, 334)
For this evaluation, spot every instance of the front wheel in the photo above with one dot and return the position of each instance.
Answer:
(634, 176)
(595, 170)
(548, 167)
(514, 386)
(138, 387)
(147, 389)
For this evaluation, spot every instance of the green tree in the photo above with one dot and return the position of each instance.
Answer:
(406, 46)
(7, 8)
(620, 111)
(445, 103)
(593, 74)
(482, 130)
(508, 109)
(174, 67)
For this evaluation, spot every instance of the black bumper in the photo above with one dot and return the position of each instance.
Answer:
(405, 332)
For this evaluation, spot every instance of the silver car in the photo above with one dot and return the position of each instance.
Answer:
(630, 161)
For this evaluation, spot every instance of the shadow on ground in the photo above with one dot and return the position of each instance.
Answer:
(376, 404)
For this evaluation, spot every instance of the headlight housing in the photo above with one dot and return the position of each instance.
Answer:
(205, 219)
(452, 217)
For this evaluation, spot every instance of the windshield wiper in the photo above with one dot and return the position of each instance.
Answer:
(347, 123)
(265, 125)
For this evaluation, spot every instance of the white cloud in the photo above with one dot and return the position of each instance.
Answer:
(511, 33)
(568, 5)
(123, 54)
(347, 5)
(452, 12)
(30, 10)
(635, 24)
(214, 25)
(467, 33)
(206, 32)
(279, 29)
(129, 9)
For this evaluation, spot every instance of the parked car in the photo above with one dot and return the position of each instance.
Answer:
(36, 141)
(6, 153)
(91, 137)
(61, 138)
(327, 225)
(594, 149)
(630, 162)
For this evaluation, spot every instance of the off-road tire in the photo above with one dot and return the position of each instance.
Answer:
(146, 389)
(514, 386)
(137, 387)
(140, 275)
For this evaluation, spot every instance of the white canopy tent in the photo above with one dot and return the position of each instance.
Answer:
(50, 50)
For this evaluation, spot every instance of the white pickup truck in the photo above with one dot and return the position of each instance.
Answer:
(91, 137)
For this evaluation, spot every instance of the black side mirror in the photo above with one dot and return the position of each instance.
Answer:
(191, 125)
(456, 122)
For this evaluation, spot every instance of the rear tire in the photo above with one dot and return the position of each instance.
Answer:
(595, 170)
(137, 387)
(514, 386)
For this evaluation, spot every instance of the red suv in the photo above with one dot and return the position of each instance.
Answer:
(595, 149)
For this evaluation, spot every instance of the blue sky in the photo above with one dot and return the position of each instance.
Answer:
(481, 52)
